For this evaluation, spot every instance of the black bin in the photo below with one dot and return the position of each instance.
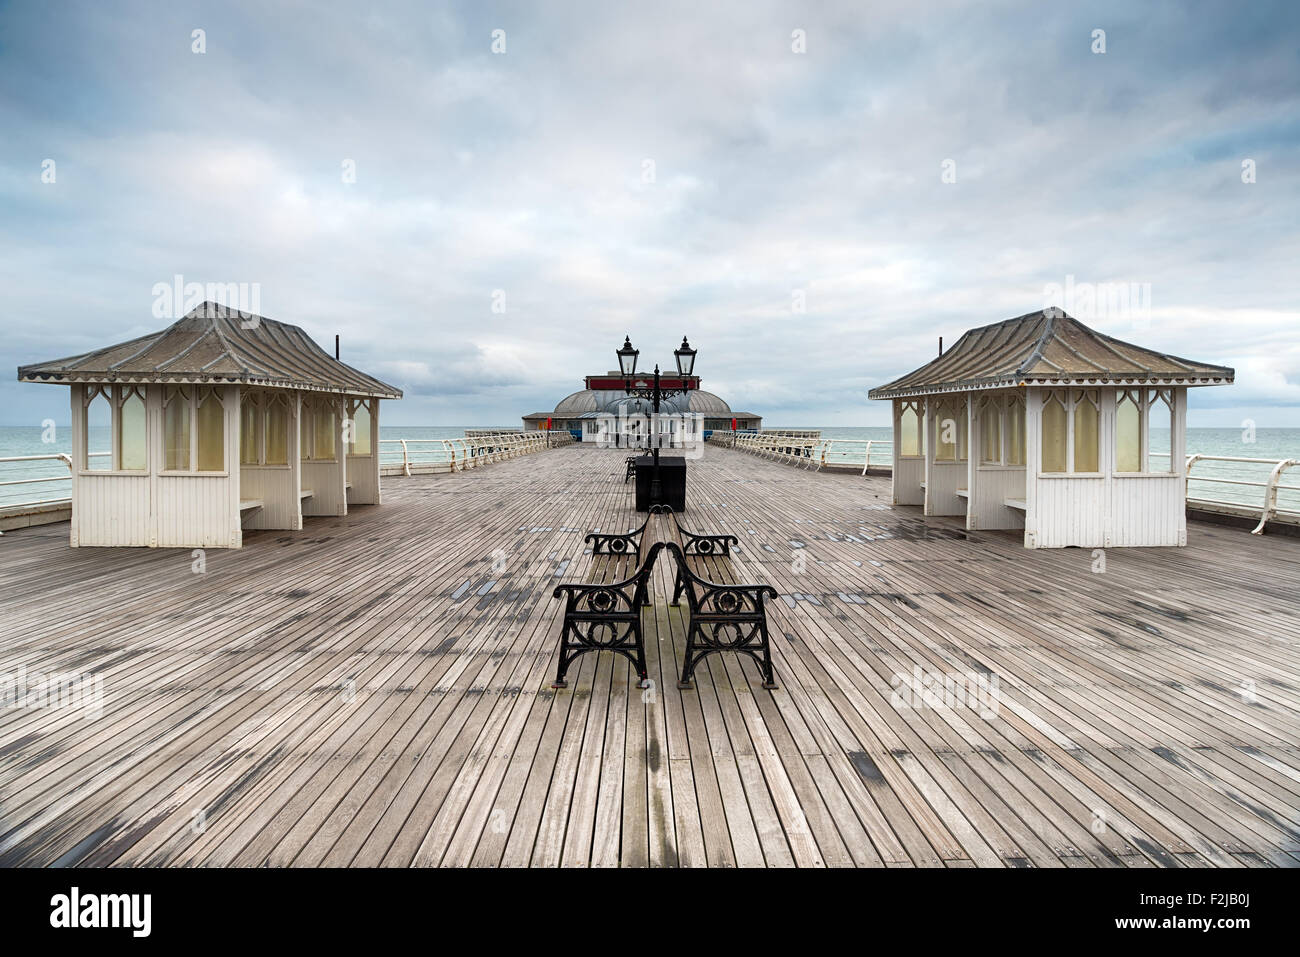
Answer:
(672, 480)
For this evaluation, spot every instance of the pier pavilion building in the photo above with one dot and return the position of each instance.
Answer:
(220, 422)
(603, 406)
(1043, 424)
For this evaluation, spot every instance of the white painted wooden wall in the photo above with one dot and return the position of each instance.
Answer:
(1110, 510)
(201, 509)
(153, 508)
(908, 472)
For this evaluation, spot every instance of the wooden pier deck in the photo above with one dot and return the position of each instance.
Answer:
(374, 690)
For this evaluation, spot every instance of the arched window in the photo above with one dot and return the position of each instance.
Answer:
(211, 431)
(176, 428)
(96, 450)
(276, 429)
(1016, 430)
(359, 432)
(909, 429)
(950, 429)
(1128, 432)
(1055, 434)
(1087, 420)
(194, 429)
(1160, 431)
(249, 447)
(325, 428)
(990, 418)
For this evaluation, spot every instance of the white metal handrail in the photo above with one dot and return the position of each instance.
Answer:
(863, 446)
(63, 457)
(1268, 508)
(473, 451)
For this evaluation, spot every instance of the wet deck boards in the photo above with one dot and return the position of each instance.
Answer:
(371, 691)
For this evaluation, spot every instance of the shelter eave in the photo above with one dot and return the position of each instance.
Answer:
(136, 378)
(1048, 381)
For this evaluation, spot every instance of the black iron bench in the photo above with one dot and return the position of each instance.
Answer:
(618, 543)
(697, 545)
(606, 616)
(631, 469)
(604, 613)
(725, 615)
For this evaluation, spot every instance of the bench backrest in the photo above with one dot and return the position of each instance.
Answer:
(714, 600)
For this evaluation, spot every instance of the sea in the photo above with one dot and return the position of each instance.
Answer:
(45, 479)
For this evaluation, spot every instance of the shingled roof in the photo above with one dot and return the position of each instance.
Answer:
(1047, 348)
(216, 345)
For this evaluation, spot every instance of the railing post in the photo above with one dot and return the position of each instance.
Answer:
(1270, 494)
(406, 460)
(866, 462)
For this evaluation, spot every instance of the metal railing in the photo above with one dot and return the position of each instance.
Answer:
(808, 449)
(852, 452)
(1268, 508)
(794, 447)
(456, 455)
(63, 457)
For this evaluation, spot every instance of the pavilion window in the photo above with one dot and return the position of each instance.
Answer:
(176, 429)
(305, 430)
(909, 429)
(1016, 430)
(1055, 434)
(249, 452)
(359, 433)
(275, 429)
(1128, 432)
(1087, 421)
(130, 442)
(194, 429)
(991, 431)
(950, 427)
(1160, 431)
(324, 428)
(210, 431)
(97, 431)
(1071, 425)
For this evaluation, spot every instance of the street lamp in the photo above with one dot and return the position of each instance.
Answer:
(685, 358)
(627, 357)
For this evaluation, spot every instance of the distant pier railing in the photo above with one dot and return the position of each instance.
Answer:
(782, 445)
(807, 449)
(409, 456)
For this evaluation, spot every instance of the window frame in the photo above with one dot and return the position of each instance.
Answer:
(309, 409)
(1069, 397)
(263, 401)
(955, 406)
(984, 404)
(115, 395)
(191, 392)
(918, 407)
(350, 407)
(1145, 397)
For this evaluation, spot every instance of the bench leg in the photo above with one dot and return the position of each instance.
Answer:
(689, 658)
(694, 654)
(633, 650)
(769, 674)
(641, 670)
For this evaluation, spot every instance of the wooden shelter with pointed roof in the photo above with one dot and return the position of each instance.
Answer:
(224, 420)
(1041, 423)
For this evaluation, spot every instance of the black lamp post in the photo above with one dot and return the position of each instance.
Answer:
(627, 357)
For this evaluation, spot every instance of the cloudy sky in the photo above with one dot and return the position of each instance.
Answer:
(813, 192)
